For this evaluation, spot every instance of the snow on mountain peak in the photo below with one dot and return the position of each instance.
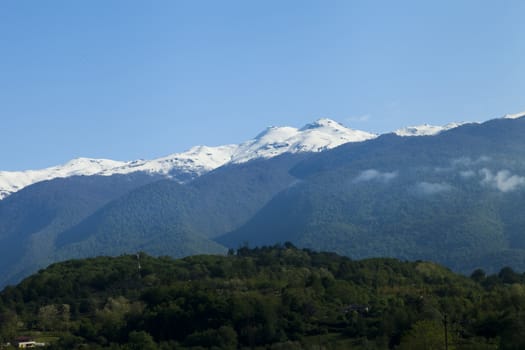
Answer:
(12, 181)
(514, 116)
(196, 161)
(315, 137)
(426, 129)
(275, 133)
(323, 122)
(320, 135)
(87, 166)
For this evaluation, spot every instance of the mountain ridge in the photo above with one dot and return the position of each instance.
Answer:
(198, 160)
(317, 136)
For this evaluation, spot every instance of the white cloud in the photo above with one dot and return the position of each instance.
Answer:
(503, 180)
(432, 188)
(467, 173)
(461, 161)
(372, 174)
(483, 159)
(442, 170)
(467, 161)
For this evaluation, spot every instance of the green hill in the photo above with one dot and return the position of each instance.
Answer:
(275, 297)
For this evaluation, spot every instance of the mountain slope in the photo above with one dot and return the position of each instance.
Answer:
(31, 218)
(162, 217)
(452, 198)
(92, 215)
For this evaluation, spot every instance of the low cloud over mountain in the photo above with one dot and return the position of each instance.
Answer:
(502, 180)
(375, 175)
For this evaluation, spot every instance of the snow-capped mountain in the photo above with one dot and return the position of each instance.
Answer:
(426, 129)
(197, 161)
(315, 137)
(514, 116)
(12, 181)
(318, 136)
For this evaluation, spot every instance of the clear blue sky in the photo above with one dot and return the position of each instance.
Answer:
(142, 79)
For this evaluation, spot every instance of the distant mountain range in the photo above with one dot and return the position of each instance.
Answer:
(454, 196)
(318, 136)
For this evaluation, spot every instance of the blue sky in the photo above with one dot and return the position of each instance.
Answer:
(142, 79)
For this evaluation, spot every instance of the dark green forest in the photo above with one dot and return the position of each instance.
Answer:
(430, 198)
(277, 297)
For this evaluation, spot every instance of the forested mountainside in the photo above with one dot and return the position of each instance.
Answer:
(31, 219)
(277, 297)
(453, 198)
(95, 215)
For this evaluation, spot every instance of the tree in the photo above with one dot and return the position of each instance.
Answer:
(424, 335)
(478, 275)
(223, 338)
(54, 317)
(507, 275)
(8, 326)
(141, 341)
